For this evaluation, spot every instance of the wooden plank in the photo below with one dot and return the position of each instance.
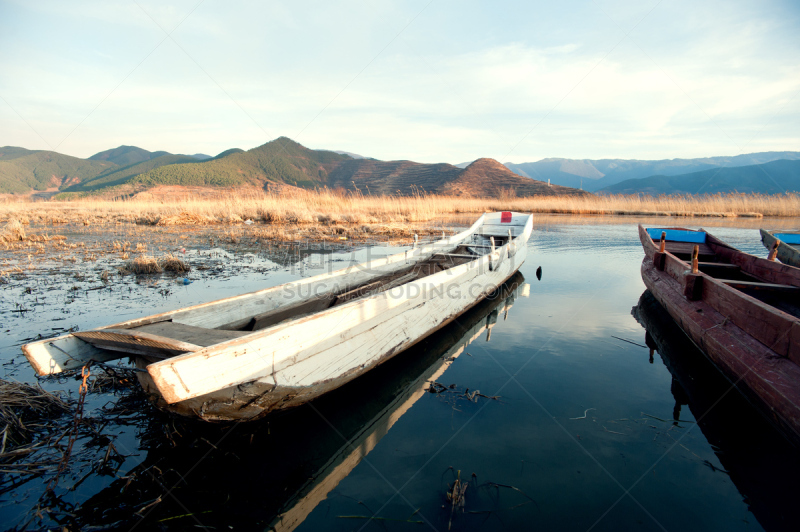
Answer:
(188, 333)
(760, 268)
(683, 248)
(501, 229)
(676, 268)
(749, 285)
(458, 255)
(766, 324)
(718, 265)
(55, 355)
(267, 319)
(135, 342)
(794, 343)
(375, 288)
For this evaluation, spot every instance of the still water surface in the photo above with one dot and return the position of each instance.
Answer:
(572, 428)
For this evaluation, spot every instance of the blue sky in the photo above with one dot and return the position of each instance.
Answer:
(431, 81)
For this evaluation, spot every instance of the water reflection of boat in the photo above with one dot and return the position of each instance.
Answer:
(762, 464)
(281, 468)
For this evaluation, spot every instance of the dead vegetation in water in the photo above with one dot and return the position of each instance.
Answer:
(145, 264)
(12, 232)
(24, 411)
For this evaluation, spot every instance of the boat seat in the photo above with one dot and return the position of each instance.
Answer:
(752, 285)
(189, 333)
(686, 248)
(157, 340)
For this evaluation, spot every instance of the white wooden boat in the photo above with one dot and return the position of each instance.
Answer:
(241, 357)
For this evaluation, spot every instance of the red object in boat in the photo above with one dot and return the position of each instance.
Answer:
(505, 217)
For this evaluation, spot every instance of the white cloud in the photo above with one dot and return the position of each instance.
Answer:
(689, 80)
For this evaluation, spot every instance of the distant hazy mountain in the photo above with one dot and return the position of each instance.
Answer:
(353, 155)
(596, 174)
(24, 170)
(200, 156)
(769, 178)
(125, 155)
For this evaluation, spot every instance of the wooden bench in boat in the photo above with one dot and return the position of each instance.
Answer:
(686, 248)
(755, 285)
(160, 340)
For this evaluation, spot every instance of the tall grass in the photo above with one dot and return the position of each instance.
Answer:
(333, 207)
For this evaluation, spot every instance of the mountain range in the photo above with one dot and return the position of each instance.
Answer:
(126, 170)
(773, 177)
(594, 175)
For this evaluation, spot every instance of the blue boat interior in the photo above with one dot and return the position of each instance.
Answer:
(788, 238)
(677, 235)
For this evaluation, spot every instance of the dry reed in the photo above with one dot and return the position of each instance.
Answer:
(327, 207)
(171, 263)
(21, 405)
(144, 264)
(13, 231)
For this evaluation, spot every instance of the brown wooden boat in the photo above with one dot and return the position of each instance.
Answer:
(742, 311)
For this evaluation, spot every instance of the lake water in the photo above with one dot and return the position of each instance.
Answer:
(573, 427)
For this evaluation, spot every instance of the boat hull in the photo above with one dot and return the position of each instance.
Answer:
(725, 333)
(245, 356)
(325, 370)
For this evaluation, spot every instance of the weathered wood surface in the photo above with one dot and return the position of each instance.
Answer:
(787, 254)
(136, 342)
(64, 353)
(336, 344)
(763, 269)
(763, 322)
(683, 248)
(766, 287)
(266, 319)
(772, 380)
(188, 333)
